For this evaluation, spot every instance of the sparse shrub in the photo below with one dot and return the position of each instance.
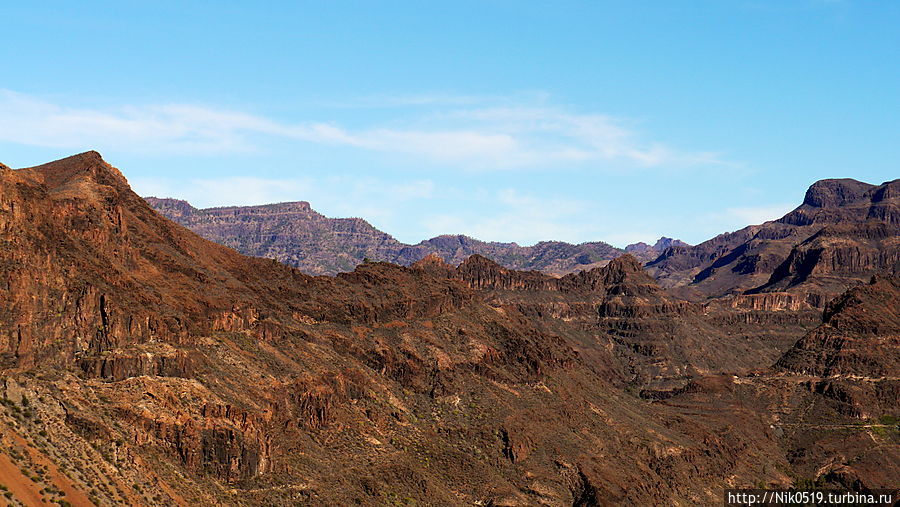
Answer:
(889, 420)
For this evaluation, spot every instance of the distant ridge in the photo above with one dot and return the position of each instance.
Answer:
(294, 233)
(843, 232)
(646, 253)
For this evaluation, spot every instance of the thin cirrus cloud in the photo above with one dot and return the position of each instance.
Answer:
(759, 214)
(232, 191)
(462, 133)
(338, 196)
(522, 217)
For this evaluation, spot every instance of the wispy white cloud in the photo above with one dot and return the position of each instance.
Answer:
(411, 100)
(513, 215)
(754, 215)
(516, 216)
(734, 218)
(554, 133)
(230, 191)
(29, 121)
(337, 196)
(482, 137)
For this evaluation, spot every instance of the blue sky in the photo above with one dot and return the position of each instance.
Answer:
(505, 120)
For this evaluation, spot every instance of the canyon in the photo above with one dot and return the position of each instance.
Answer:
(142, 364)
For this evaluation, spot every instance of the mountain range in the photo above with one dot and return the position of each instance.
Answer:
(842, 232)
(141, 364)
(295, 234)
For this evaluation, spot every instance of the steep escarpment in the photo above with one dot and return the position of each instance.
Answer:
(295, 234)
(842, 233)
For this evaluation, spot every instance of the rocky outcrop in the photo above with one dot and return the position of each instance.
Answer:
(859, 336)
(484, 274)
(774, 301)
(155, 360)
(835, 193)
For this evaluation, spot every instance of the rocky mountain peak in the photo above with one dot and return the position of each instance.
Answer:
(476, 262)
(624, 268)
(647, 253)
(626, 275)
(889, 190)
(434, 265)
(81, 175)
(833, 193)
(664, 242)
(625, 263)
(637, 247)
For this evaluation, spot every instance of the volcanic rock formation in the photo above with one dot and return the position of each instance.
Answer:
(143, 365)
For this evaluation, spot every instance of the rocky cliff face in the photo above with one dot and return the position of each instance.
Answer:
(844, 231)
(860, 335)
(298, 236)
(290, 232)
(143, 365)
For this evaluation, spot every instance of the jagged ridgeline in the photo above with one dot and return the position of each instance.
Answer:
(141, 364)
